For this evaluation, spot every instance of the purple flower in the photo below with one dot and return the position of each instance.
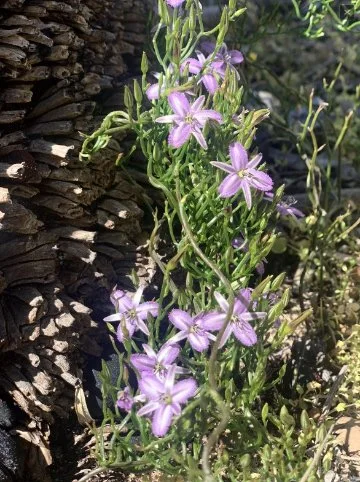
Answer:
(188, 119)
(286, 206)
(165, 399)
(239, 322)
(195, 329)
(208, 78)
(153, 92)
(242, 174)
(131, 313)
(224, 58)
(240, 243)
(126, 400)
(157, 363)
(175, 3)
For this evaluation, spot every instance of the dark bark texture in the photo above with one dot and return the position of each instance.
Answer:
(68, 231)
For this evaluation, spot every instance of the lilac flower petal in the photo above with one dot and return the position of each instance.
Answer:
(168, 353)
(213, 320)
(170, 378)
(126, 401)
(260, 180)
(210, 83)
(179, 135)
(149, 351)
(296, 212)
(120, 300)
(194, 66)
(151, 386)
(226, 335)
(247, 193)
(180, 319)
(141, 325)
(253, 315)
(150, 307)
(245, 333)
(219, 66)
(255, 161)
(137, 296)
(114, 317)
(236, 57)
(121, 335)
(148, 408)
(225, 167)
(176, 408)
(199, 341)
(153, 92)
(238, 156)
(142, 363)
(175, 3)
(197, 105)
(207, 114)
(166, 119)
(201, 57)
(224, 305)
(245, 296)
(162, 419)
(199, 137)
(184, 390)
(230, 185)
(239, 306)
(179, 103)
(181, 335)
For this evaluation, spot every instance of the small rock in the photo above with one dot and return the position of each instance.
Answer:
(9, 461)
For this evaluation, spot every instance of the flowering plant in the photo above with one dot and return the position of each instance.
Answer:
(199, 352)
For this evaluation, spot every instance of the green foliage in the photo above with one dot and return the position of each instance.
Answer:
(238, 427)
(322, 15)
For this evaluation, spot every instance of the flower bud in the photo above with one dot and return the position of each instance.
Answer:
(163, 12)
(137, 92)
(128, 98)
(156, 153)
(144, 64)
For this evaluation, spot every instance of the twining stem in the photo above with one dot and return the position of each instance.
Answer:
(223, 408)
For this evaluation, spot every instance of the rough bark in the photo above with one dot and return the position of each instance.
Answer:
(68, 231)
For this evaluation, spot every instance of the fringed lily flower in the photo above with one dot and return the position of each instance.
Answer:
(189, 119)
(239, 322)
(242, 174)
(165, 399)
(126, 400)
(208, 77)
(131, 313)
(286, 206)
(175, 3)
(195, 329)
(224, 58)
(157, 363)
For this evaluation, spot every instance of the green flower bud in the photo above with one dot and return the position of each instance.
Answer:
(144, 64)
(137, 92)
(128, 98)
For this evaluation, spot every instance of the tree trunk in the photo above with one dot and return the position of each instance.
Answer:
(68, 231)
